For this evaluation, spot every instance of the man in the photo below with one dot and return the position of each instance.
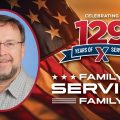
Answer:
(15, 85)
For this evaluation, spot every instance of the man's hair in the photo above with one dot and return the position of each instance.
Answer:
(7, 19)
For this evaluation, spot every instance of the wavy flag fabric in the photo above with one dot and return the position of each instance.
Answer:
(53, 24)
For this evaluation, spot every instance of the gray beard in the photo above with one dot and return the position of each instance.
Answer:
(5, 77)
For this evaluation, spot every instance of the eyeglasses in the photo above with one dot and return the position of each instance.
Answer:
(10, 45)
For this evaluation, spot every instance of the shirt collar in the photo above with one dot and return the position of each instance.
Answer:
(18, 83)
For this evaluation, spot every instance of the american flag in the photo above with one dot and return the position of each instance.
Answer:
(53, 23)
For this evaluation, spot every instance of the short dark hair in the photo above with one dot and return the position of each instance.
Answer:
(7, 19)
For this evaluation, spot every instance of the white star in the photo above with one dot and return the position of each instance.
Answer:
(13, 3)
(63, 77)
(53, 32)
(54, 77)
(41, 4)
(73, 77)
(61, 18)
(33, 17)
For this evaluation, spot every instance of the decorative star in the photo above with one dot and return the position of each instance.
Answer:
(53, 32)
(54, 77)
(61, 18)
(41, 4)
(13, 3)
(33, 17)
(73, 77)
(64, 77)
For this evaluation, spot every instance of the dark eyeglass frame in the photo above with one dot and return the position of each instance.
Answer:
(7, 46)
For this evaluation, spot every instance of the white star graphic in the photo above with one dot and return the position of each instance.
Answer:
(61, 18)
(64, 77)
(53, 32)
(73, 77)
(54, 77)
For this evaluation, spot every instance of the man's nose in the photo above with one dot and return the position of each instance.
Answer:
(2, 49)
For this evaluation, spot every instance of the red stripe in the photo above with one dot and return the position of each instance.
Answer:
(20, 114)
(64, 111)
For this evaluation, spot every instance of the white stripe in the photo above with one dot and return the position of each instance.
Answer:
(64, 102)
(64, 98)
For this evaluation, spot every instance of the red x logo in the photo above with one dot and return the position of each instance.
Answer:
(101, 55)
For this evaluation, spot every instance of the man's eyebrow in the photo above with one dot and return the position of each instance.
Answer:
(10, 41)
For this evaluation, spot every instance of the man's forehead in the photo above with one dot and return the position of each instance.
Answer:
(8, 24)
(9, 32)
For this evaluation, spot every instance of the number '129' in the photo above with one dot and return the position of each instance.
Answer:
(103, 29)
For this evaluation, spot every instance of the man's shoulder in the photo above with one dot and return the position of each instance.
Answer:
(29, 82)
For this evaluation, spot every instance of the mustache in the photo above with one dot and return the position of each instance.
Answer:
(5, 58)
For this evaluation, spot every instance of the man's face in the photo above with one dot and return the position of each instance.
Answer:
(10, 58)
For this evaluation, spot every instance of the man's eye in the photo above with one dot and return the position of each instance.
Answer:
(9, 44)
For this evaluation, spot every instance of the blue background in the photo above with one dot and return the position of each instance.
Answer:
(30, 60)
